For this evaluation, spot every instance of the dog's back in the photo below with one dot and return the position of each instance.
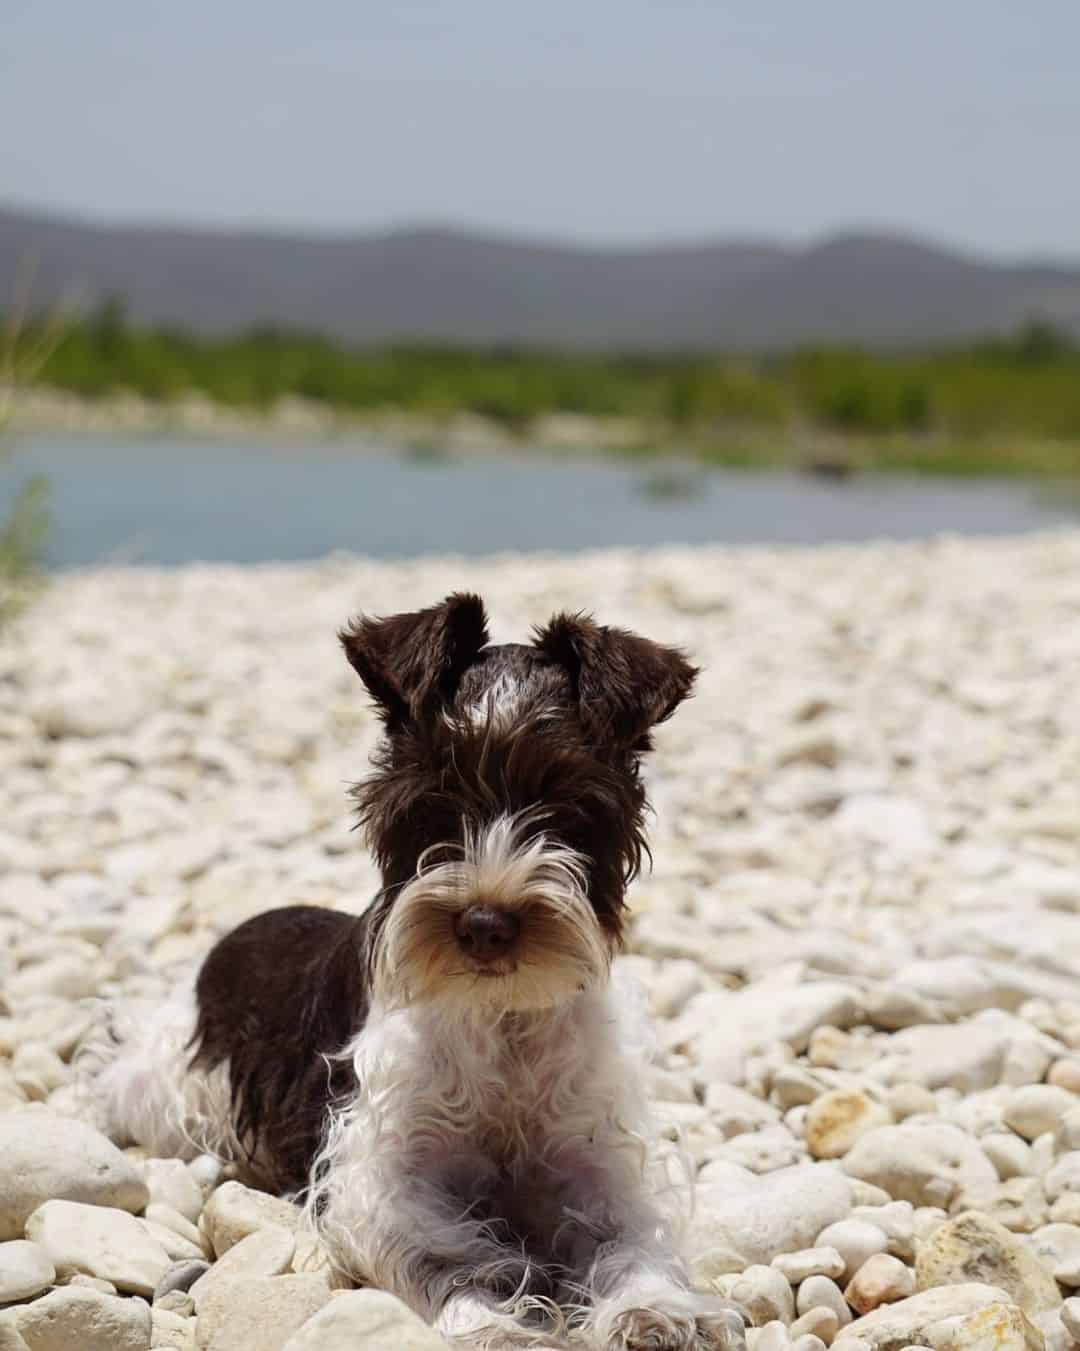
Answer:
(277, 999)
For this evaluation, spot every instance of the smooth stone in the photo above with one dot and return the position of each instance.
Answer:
(735, 1112)
(908, 1099)
(925, 1163)
(1064, 1177)
(821, 1322)
(795, 1086)
(764, 1151)
(892, 1008)
(77, 1319)
(1066, 1209)
(1065, 1074)
(164, 1217)
(913, 1321)
(836, 1119)
(830, 1048)
(267, 1252)
(819, 1292)
(25, 1271)
(1070, 1316)
(1010, 1155)
(171, 1331)
(63, 977)
(709, 1267)
(797, 1267)
(99, 1241)
(973, 1246)
(37, 1071)
(855, 1241)
(1019, 1204)
(258, 1313)
(1054, 1332)
(1067, 1272)
(207, 1172)
(1058, 1247)
(45, 1157)
(177, 1301)
(365, 1320)
(783, 1212)
(964, 1056)
(1067, 1135)
(92, 1283)
(899, 824)
(9, 1331)
(771, 1337)
(753, 1019)
(170, 1183)
(866, 1194)
(1036, 1109)
(961, 985)
(179, 1249)
(896, 1220)
(1026, 1062)
(998, 1327)
(766, 1295)
(89, 706)
(882, 1279)
(235, 1211)
(675, 984)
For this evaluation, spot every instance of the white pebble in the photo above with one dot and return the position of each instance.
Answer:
(1037, 1108)
(882, 1279)
(766, 1295)
(818, 1292)
(798, 1266)
(855, 1241)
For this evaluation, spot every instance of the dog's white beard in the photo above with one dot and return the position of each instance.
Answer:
(562, 949)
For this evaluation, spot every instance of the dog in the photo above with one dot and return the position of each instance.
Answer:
(452, 1080)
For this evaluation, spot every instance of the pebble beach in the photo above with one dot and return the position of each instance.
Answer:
(860, 938)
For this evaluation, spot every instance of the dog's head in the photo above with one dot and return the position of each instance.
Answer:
(506, 807)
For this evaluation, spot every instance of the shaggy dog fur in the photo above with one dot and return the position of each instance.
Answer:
(452, 1080)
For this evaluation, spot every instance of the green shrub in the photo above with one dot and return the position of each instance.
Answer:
(1004, 395)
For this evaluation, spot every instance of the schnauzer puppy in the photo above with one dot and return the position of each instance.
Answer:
(452, 1080)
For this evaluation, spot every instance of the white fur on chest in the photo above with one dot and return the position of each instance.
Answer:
(519, 1117)
(520, 1084)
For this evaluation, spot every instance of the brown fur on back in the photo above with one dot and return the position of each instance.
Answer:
(276, 997)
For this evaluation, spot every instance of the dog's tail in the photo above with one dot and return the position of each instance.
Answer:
(136, 1084)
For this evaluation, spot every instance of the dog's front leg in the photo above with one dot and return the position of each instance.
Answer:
(473, 1319)
(633, 1279)
(642, 1302)
(406, 1226)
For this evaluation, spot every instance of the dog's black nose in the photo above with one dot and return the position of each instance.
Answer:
(485, 933)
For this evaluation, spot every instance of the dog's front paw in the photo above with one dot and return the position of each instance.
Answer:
(722, 1327)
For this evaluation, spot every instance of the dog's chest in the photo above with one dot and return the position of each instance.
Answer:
(516, 1094)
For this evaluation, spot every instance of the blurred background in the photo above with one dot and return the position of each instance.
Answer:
(278, 280)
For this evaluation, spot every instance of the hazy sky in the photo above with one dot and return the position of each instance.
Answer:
(588, 119)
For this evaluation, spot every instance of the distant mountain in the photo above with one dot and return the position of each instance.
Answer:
(452, 285)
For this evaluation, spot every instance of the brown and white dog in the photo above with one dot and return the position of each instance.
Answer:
(452, 1081)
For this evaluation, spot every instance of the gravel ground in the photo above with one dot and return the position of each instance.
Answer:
(861, 937)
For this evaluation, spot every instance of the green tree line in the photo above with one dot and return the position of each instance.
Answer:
(1014, 401)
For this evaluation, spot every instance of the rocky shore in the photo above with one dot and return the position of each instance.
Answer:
(860, 939)
(45, 411)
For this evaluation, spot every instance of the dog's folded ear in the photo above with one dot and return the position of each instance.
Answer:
(412, 663)
(624, 684)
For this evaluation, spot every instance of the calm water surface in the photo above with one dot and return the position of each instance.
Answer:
(162, 502)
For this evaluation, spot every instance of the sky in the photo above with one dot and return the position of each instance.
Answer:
(618, 121)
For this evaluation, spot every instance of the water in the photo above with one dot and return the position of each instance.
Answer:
(164, 502)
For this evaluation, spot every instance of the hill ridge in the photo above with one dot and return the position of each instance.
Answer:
(445, 283)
